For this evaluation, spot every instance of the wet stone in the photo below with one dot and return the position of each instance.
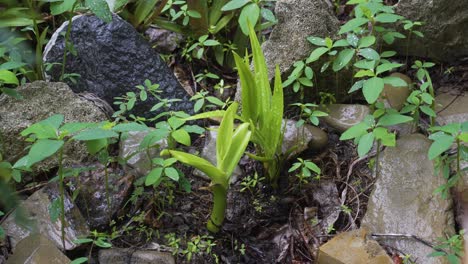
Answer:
(41, 101)
(37, 207)
(395, 96)
(127, 256)
(451, 108)
(302, 138)
(138, 159)
(343, 116)
(37, 249)
(403, 199)
(111, 59)
(92, 198)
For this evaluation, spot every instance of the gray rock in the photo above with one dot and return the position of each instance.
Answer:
(42, 100)
(209, 153)
(115, 256)
(162, 40)
(395, 97)
(126, 256)
(92, 199)
(300, 139)
(37, 249)
(403, 199)
(111, 60)
(445, 28)
(343, 116)
(451, 108)
(151, 257)
(297, 20)
(37, 206)
(138, 160)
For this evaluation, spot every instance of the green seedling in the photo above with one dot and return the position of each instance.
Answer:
(230, 146)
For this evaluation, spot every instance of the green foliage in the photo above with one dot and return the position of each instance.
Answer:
(450, 247)
(230, 146)
(304, 169)
(250, 182)
(374, 128)
(309, 114)
(262, 108)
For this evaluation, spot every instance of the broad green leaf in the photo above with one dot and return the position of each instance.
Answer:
(393, 119)
(152, 138)
(54, 209)
(369, 54)
(211, 42)
(240, 139)
(127, 127)
(82, 240)
(234, 4)
(356, 86)
(312, 166)
(365, 64)
(79, 260)
(440, 145)
(427, 110)
(47, 128)
(317, 41)
(344, 57)
(355, 131)
(100, 8)
(217, 113)
(388, 139)
(250, 13)
(58, 8)
(42, 149)
(94, 146)
(341, 43)
(71, 128)
(216, 175)
(353, 24)
(366, 41)
(95, 133)
(8, 77)
(154, 176)
(364, 73)
(352, 39)
(172, 173)
(12, 93)
(182, 137)
(224, 138)
(365, 144)
(372, 89)
(316, 54)
(248, 87)
(395, 81)
(175, 122)
(387, 67)
(387, 54)
(387, 18)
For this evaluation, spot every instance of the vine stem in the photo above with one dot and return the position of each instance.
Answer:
(377, 155)
(431, 91)
(62, 196)
(67, 39)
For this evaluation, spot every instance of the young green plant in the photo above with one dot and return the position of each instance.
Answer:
(230, 146)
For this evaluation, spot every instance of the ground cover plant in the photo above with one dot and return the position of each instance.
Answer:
(271, 213)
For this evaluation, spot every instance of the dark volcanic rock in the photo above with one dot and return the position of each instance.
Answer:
(112, 59)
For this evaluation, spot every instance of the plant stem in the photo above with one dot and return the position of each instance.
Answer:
(67, 39)
(62, 196)
(407, 47)
(431, 91)
(377, 160)
(219, 207)
(106, 176)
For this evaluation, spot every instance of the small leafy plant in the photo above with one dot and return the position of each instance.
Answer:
(230, 146)
(451, 248)
(304, 169)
